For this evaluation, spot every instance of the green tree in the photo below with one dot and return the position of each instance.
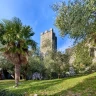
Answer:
(82, 57)
(16, 39)
(77, 18)
(61, 62)
(56, 62)
(48, 62)
(35, 64)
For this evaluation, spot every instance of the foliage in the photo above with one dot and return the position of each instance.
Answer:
(16, 38)
(82, 57)
(48, 63)
(4, 63)
(61, 62)
(80, 86)
(36, 64)
(56, 62)
(77, 18)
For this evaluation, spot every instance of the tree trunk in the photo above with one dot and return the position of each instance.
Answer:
(17, 74)
(58, 75)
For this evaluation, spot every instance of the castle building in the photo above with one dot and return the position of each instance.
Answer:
(48, 42)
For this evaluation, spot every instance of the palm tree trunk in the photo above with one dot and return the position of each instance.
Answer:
(58, 76)
(17, 74)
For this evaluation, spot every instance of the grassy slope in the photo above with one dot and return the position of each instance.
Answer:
(77, 86)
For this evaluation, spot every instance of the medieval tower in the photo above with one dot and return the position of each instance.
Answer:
(48, 42)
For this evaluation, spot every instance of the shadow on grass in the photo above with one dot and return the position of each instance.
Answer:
(43, 87)
(28, 86)
(84, 88)
(8, 93)
(37, 86)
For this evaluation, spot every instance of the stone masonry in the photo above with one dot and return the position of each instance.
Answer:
(48, 42)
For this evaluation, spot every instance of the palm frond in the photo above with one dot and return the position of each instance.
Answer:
(17, 38)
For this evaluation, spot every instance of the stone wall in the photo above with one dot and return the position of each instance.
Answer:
(48, 41)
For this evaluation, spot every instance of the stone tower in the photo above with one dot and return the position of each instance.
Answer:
(48, 42)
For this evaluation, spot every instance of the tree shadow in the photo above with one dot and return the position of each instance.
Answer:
(43, 87)
(84, 88)
(30, 86)
(39, 87)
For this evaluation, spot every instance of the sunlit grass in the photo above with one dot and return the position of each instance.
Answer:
(84, 86)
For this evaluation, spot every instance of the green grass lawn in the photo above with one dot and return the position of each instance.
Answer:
(74, 86)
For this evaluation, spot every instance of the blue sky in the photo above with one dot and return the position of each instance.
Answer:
(36, 13)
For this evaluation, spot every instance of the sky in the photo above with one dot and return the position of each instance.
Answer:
(36, 13)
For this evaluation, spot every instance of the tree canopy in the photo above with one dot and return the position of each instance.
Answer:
(77, 18)
(82, 57)
(16, 39)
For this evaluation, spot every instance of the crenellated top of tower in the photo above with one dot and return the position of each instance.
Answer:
(51, 30)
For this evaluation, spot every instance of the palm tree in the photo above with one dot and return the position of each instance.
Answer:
(17, 40)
